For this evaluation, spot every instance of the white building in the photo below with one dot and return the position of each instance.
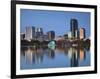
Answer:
(29, 33)
(69, 35)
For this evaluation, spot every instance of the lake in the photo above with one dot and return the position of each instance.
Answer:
(54, 57)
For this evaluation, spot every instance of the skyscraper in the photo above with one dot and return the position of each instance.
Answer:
(82, 33)
(51, 35)
(66, 36)
(74, 28)
(29, 33)
(39, 32)
(69, 35)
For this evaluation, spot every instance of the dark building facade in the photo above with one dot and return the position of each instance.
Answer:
(22, 36)
(51, 35)
(74, 28)
(39, 32)
(66, 36)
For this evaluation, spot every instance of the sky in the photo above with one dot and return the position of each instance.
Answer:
(58, 21)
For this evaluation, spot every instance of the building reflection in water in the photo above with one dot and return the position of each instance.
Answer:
(82, 55)
(76, 55)
(32, 56)
(50, 53)
(73, 55)
(37, 55)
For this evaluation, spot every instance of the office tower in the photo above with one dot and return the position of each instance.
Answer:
(69, 35)
(82, 33)
(65, 36)
(51, 35)
(45, 37)
(40, 38)
(22, 36)
(77, 34)
(74, 28)
(29, 33)
(39, 32)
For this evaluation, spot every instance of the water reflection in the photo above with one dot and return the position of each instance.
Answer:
(32, 58)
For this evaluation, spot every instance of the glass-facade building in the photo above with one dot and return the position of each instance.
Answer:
(51, 35)
(29, 33)
(74, 28)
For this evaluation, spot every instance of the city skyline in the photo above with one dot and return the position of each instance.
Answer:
(46, 42)
(34, 33)
(46, 20)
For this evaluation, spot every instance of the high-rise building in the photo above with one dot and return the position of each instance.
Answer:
(40, 38)
(76, 34)
(29, 33)
(39, 32)
(51, 35)
(82, 33)
(66, 36)
(74, 28)
(69, 35)
(45, 37)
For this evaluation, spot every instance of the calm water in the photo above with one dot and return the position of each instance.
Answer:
(32, 58)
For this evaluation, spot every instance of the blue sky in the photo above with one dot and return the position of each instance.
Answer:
(59, 21)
